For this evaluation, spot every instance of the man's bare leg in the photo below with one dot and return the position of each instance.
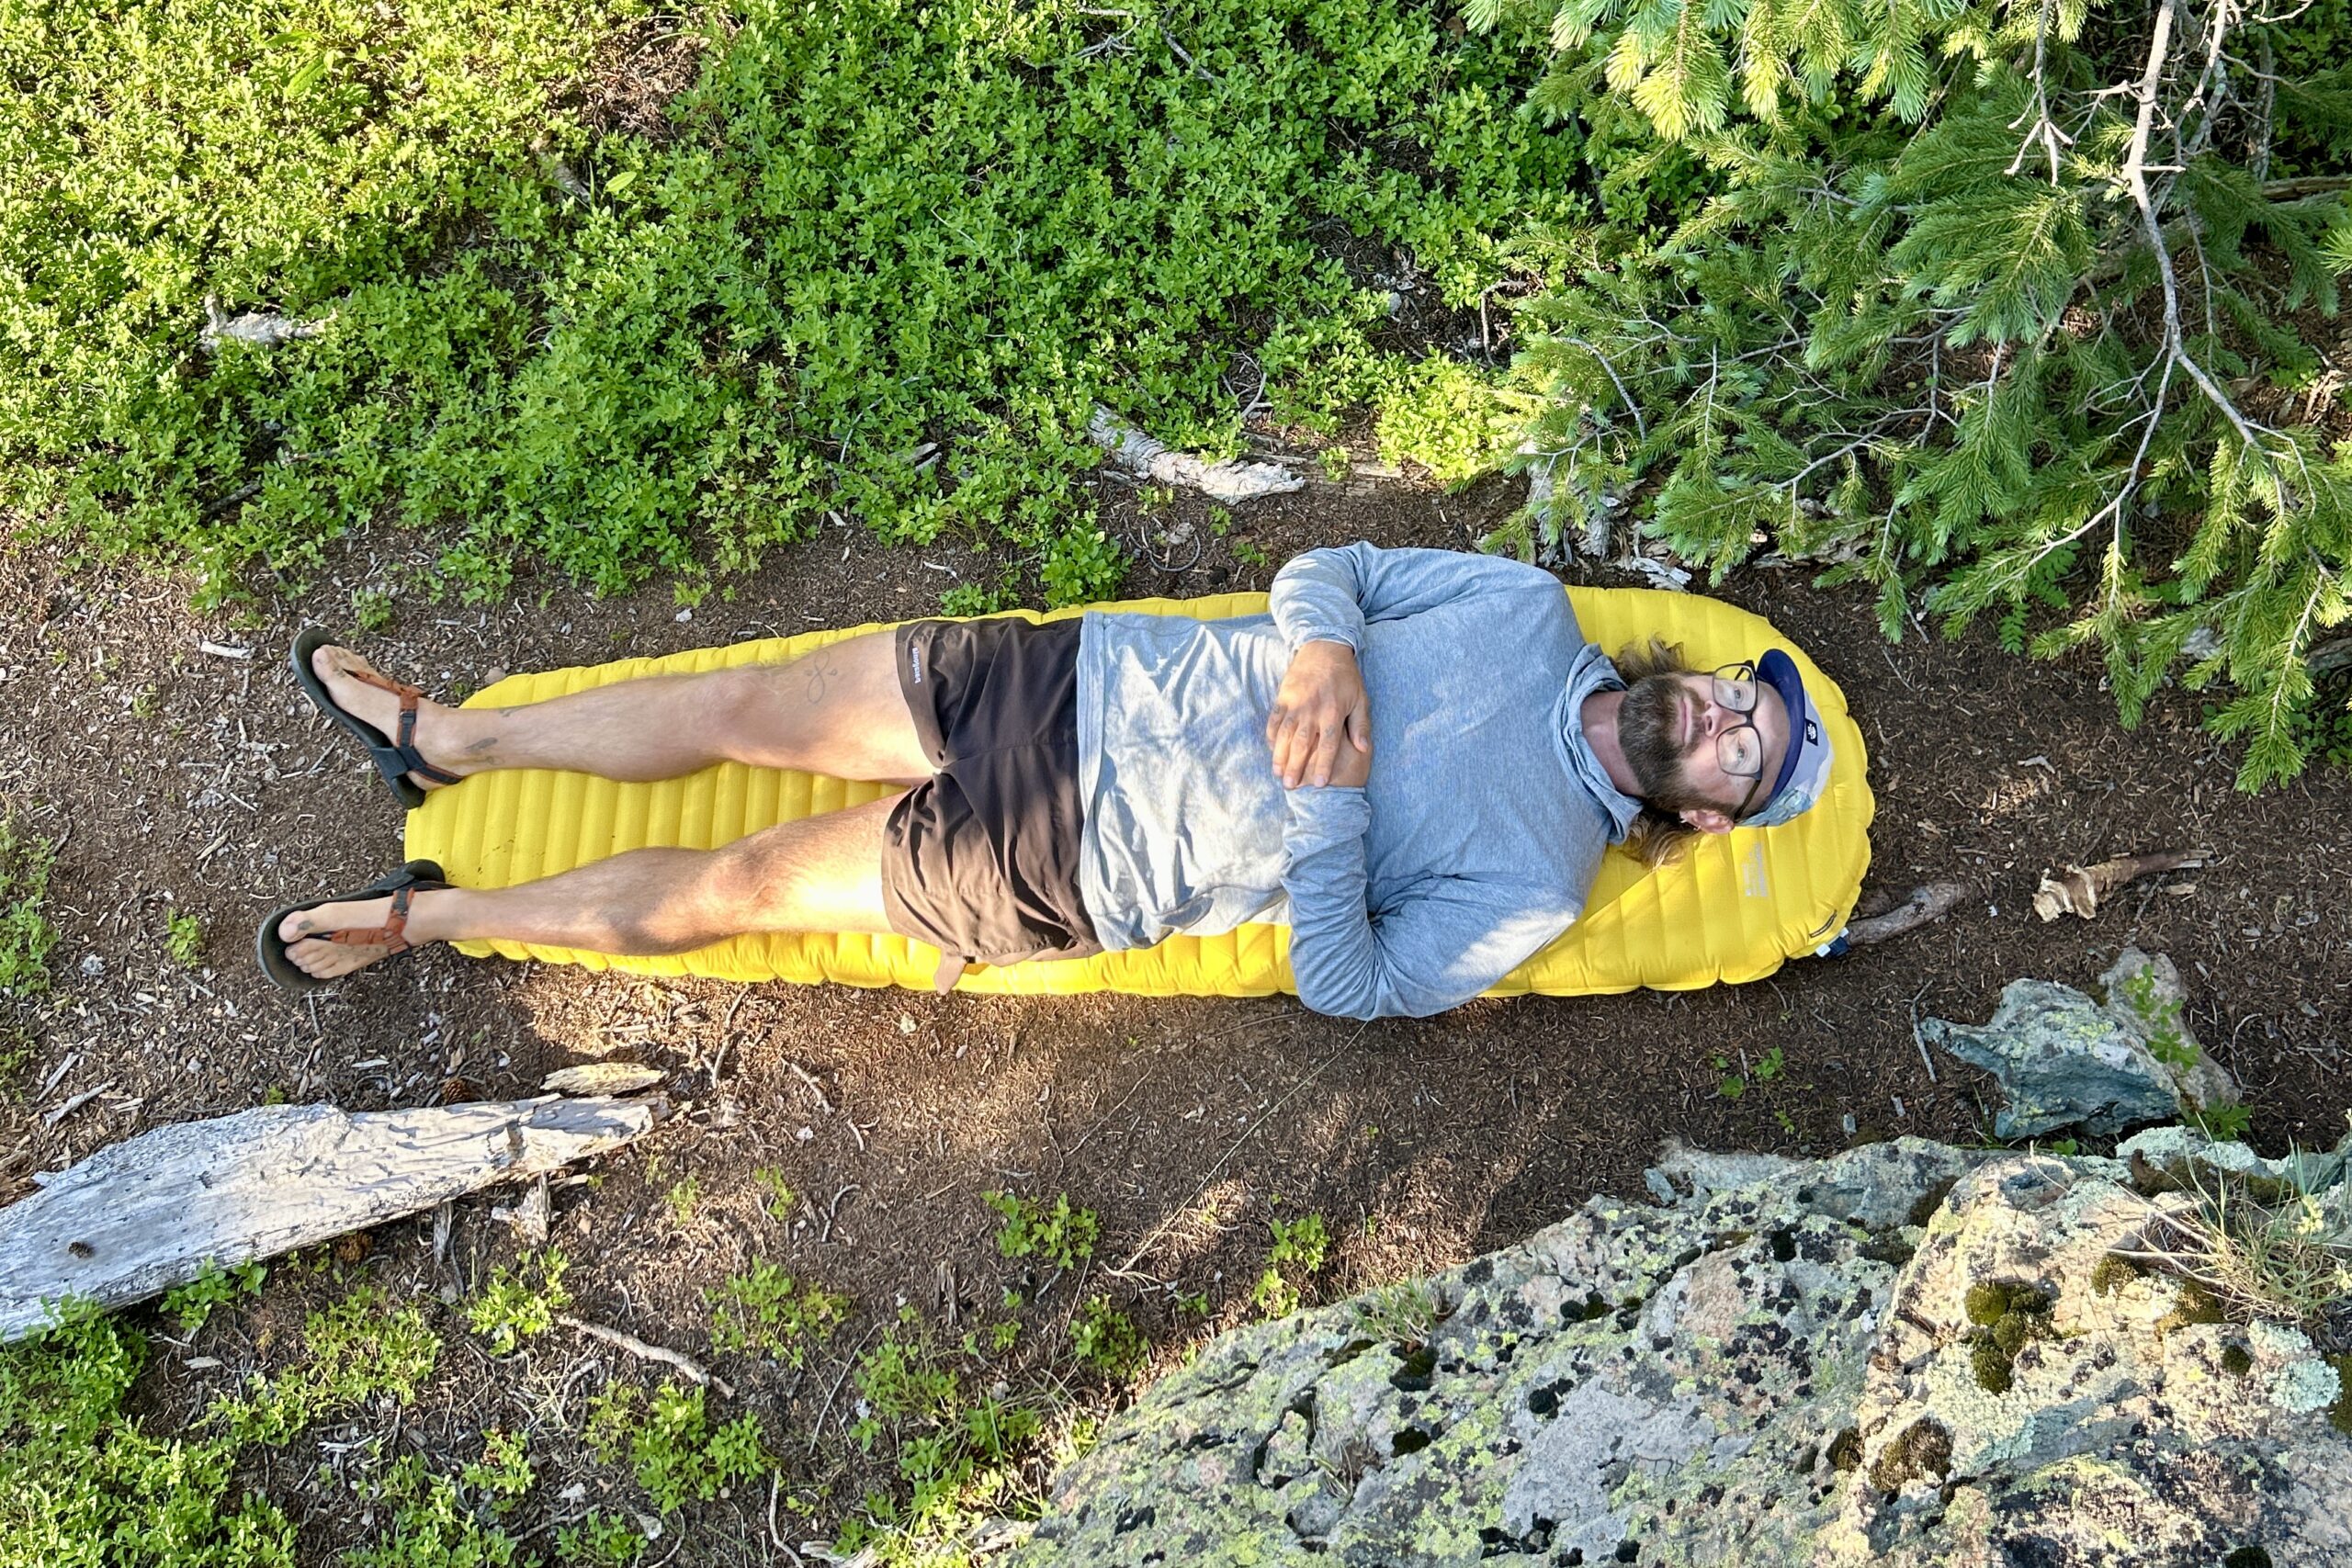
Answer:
(820, 873)
(837, 710)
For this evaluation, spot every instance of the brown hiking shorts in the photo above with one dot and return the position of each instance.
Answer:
(981, 860)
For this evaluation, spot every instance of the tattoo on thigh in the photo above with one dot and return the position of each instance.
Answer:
(816, 675)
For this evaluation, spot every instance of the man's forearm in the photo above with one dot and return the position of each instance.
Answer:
(1334, 953)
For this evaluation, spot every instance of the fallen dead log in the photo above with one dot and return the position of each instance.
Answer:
(263, 329)
(147, 1214)
(2076, 889)
(1930, 902)
(1228, 481)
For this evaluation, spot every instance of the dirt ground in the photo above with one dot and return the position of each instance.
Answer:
(182, 778)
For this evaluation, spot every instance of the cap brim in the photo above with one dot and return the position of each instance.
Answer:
(1778, 671)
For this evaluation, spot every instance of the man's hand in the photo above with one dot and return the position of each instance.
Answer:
(1321, 726)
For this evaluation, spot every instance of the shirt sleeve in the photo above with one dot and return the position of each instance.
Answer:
(1330, 595)
(1444, 943)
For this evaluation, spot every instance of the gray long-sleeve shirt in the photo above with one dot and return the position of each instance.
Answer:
(1471, 845)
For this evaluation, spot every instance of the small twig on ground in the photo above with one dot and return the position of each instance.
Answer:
(693, 1369)
(79, 1101)
(803, 1073)
(826, 1234)
(833, 1393)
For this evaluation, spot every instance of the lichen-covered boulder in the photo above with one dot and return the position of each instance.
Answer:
(1908, 1353)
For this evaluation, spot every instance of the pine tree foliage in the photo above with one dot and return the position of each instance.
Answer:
(1997, 305)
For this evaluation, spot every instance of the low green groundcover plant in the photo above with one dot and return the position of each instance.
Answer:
(882, 264)
(84, 1483)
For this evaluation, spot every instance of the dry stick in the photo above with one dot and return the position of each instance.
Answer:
(775, 1476)
(2046, 129)
(1926, 903)
(639, 1348)
(2135, 179)
(1152, 1238)
(834, 1392)
(815, 1087)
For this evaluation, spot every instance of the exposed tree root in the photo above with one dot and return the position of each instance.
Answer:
(1928, 903)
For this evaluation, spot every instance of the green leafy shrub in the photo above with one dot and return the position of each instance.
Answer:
(1062, 1235)
(1960, 322)
(27, 937)
(957, 1459)
(1444, 416)
(762, 1309)
(890, 230)
(599, 1541)
(511, 1308)
(672, 1448)
(1299, 1248)
(980, 598)
(357, 1350)
(1082, 565)
(79, 1475)
(83, 1484)
(438, 1521)
(213, 1286)
(162, 161)
(183, 939)
(1106, 1340)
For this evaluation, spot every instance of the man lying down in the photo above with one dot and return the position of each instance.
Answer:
(1413, 758)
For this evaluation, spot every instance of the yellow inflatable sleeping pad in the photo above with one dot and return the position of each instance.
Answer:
(1733, 908)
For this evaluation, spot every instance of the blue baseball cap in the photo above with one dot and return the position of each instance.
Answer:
(1804, 771)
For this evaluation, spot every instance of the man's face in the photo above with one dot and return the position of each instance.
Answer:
(1670, 727)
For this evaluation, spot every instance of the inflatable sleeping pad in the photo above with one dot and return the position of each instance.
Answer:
(1732, 909)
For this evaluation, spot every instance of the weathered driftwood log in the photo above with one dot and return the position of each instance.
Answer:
(147, 1214)
(1930, 901)
(1228, 481)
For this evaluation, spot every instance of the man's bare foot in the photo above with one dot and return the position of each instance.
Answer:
(374, 705)
(329, 960)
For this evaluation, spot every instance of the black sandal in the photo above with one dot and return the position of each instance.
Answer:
(395, 758)
(269, 948)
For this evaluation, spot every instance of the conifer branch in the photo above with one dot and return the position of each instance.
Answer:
(2134, 176)
(2043, 129)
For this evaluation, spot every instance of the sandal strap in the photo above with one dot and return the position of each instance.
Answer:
(390, 936)
(405, 742)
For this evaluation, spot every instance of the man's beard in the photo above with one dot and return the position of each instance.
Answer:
(1646, 726)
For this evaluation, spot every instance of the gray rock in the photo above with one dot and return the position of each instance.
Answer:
(2062, 1060)
(2144, 994)
(1901, 1355)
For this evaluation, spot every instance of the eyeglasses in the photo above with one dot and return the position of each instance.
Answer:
(1739, 751)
